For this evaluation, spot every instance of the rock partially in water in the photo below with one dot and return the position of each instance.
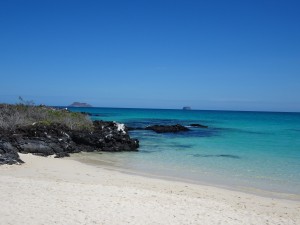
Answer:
(62, 154)
(167, 128)
(93, 114)
(198, 125)
(107, 136)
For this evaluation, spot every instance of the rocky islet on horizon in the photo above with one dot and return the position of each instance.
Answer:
(80, 104)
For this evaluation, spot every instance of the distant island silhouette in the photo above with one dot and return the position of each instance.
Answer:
(80, 104)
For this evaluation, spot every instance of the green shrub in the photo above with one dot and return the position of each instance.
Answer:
(13, 116)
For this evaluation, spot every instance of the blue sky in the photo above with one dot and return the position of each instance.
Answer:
(233, 55)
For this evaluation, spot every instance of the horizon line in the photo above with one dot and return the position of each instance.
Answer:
(196, 109)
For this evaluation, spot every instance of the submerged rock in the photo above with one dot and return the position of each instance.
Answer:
(220, 155)
(198, 125)
(167, 128)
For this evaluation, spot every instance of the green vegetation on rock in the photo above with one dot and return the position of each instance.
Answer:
(13, 116)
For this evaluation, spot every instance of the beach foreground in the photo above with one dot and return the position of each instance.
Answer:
(64, 191)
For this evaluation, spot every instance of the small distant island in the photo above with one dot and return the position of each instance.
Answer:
(80, 104)
(187, 108)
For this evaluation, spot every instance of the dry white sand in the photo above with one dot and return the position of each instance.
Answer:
(63, 191)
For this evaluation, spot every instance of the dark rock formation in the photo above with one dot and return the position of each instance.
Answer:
(80, 104)
(61, 155)
(198, 125)
(59, 140)
(107, 136)
(187, 108)
(8, 153)
(221, 155)
(94, 114)
(167, 128)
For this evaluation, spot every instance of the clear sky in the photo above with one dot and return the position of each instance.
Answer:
(238, 55)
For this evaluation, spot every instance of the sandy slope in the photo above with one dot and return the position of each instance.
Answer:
(63, 191)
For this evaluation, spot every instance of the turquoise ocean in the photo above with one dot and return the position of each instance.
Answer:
(242, 150)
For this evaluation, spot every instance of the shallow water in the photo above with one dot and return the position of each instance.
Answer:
(250, 149)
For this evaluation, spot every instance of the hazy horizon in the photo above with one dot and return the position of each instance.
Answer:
(218, 106)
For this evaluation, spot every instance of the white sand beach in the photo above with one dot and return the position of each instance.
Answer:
(64, 191)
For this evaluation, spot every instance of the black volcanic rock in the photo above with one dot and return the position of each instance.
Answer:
(167, 128)
(107, 136)
(9, 158)
(198, 125)
(61, 155)
(8, 153)
(59, 140)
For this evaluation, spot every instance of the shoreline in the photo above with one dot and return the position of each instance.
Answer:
(102, 163)
(49, 191)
